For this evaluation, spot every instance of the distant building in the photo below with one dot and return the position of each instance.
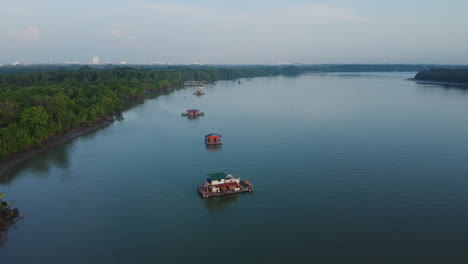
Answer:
(16, 63)
(123, 62)
(96, 60)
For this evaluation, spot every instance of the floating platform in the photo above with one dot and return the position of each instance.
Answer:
(220, 183)
(208, 194)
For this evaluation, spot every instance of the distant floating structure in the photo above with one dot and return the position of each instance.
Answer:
(193, 113)
(213, 139)
(200, 90)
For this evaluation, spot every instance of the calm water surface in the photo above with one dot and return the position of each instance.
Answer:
(348, 168)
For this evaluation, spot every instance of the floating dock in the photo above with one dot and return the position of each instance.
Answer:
(219, 184)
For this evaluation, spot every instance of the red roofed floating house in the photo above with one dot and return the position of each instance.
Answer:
(213, 139)
(220, 183)
(193, 113)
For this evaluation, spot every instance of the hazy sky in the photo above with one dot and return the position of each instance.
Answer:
(235, 32)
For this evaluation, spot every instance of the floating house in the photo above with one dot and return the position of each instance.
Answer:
(213, 139)
(220, 183)
(191, 113)
(200, 91)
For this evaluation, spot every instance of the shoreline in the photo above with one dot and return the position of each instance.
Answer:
(15, 159)
(9, 163)
(437, 82)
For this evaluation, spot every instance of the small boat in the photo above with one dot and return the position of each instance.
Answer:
(192, 113)
(220, 183)
(213, 139)
(239, 82)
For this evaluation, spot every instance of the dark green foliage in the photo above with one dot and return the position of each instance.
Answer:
(444, 75)
(35, 105)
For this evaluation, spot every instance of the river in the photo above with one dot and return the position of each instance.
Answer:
(348, 168)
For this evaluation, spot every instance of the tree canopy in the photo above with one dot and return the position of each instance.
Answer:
(39, 104)
(444, 75)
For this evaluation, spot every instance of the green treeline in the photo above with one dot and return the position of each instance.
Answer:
(444, 75)
(37, 105)
(9, 69)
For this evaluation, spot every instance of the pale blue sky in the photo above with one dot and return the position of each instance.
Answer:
(235, 32)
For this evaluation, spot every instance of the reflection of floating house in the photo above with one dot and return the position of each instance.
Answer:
(220, 183)
(213, 139)
(214, 147)
(193, 113)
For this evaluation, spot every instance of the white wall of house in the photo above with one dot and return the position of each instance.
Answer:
(217, 182)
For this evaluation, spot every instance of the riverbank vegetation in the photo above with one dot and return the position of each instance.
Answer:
(8, 216)
(35, 106)
(444, 75)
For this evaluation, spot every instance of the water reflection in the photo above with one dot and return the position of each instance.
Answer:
(41, 164)
(221, 202)
(193, 118)
(214, 147)
(463, 89)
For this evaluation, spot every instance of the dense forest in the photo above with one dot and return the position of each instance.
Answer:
(9, 69)
(39, 104)
(444, 75)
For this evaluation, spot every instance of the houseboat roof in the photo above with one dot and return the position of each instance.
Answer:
(217, 176)
(213, 135)
(192, 110)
